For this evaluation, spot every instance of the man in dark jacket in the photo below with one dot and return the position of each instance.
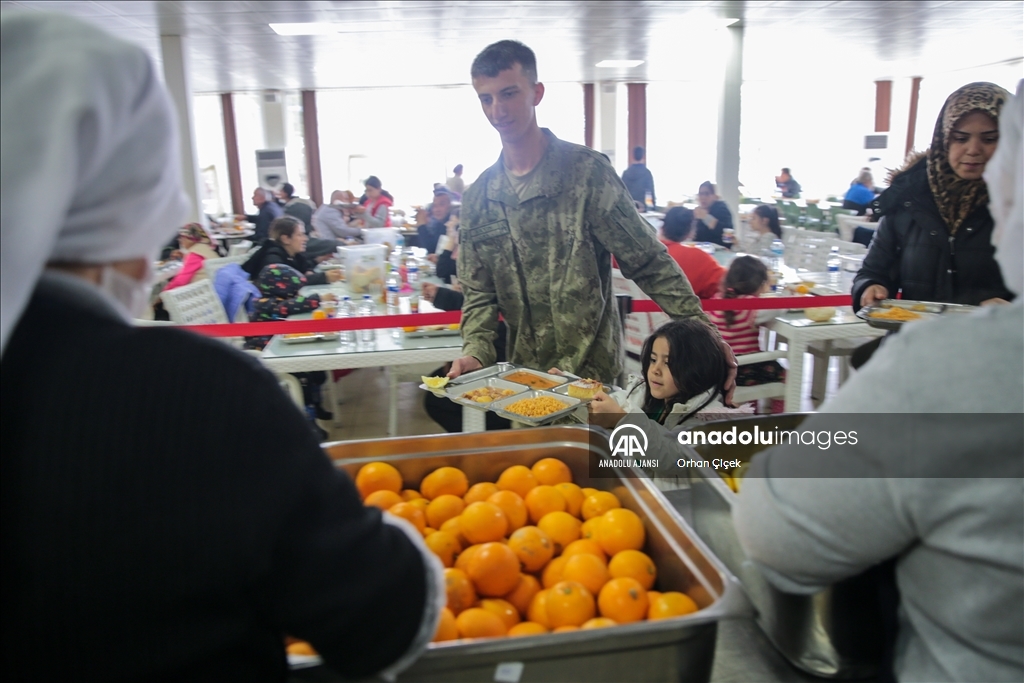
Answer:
(639, 180)
(269, 210)
(440, 213)
(297, 207)
(914, 252)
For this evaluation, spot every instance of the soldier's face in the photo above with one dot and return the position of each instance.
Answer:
(508, 101)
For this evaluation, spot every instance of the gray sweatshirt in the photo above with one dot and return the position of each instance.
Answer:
(959, 541)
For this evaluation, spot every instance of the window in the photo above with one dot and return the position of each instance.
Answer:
(212, 156)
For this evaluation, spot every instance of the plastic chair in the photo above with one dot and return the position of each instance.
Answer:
(239, 248)
(212, 265)
(814, 218)
(810, 250)
(759, 391)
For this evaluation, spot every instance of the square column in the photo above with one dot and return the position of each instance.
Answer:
(176, 76)
(727, 172)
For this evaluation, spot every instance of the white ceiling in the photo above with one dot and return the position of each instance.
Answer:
(383, 43)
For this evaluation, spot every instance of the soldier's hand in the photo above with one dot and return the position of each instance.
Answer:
(461, 366)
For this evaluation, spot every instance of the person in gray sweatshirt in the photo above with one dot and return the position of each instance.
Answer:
(944, 497)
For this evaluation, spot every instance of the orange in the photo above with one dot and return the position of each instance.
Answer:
(483, 522)
(411, 514)
(410, 494)
(553, 572)
(562, 527)
(636, 565)
(619, 530)
(574, 497)
(569, 604)
(551, 471)
(517, 478)
(460, 591)
(623, 600)
(599, 503)
(378, 476)
(508, 614)
(523, 593)
(598, 622)
(445, 545)
(420, 504)
(589, 529)
(319, 314)
(533, 547)
(443, 508)
(478, 493)
(427, 531)
(462, 561)
(671, 604)
(543, 499)
(511, 503)
(538, 611)
(586, 570)
(300, 647)
(526, 628)
(588, 492)
(446, 628)
(652, 596)
(479, 623)
(585, 546)
(383, 499)
(444, 480)
(453, 525)
(566, 629)
(494, 570)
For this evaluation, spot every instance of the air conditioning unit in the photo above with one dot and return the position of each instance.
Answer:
(876, 141)
(271, 169)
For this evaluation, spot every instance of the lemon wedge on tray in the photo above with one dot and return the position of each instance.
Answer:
(435, 382)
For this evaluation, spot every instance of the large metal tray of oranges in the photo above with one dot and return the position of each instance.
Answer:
(834, 633)
(676, 649)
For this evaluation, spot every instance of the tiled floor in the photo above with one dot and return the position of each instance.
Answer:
(363, 412)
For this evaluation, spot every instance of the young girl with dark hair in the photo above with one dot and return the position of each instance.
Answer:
(747, 279)
(765, 229)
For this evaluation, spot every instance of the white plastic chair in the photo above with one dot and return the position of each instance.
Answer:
(240, 248)
(759, 391)
(810, 250)
(212, 265)
(194, 304)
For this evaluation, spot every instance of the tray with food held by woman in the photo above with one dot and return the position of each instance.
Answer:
(892, 314)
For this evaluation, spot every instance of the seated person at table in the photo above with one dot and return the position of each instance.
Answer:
(334, 220)
(268, 211)
(446, 262)
(375, 205)
(297, 207)
(747, 279)
(701, 269)
(286, 245)
(436, 225)
(861, 193)
(713, 216)
(764, 224)
(787, 185)
(197, 246)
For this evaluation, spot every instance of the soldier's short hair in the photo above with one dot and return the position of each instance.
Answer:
(503, 55)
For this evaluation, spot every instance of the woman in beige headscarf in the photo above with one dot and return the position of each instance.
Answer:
(188, 534)
(934, 240)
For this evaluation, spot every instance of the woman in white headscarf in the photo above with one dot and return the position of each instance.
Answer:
(147, 534)
(937, 488)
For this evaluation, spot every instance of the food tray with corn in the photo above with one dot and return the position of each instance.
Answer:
(892, 314)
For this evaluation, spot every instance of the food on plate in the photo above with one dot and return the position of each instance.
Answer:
(300, 335)
(435, 382)
(895, 313)
(538, 406)
(584, 388)
(820, 315)
(487, 394)
(503, 578)
(531, 380)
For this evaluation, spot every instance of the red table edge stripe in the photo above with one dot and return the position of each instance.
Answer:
(451, 317)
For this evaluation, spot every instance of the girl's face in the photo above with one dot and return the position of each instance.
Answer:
(659, 378)
(758, 223)
(372, 192)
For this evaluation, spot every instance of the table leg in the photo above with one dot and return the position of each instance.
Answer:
(795, 375)
(392, 401)
(473, 420)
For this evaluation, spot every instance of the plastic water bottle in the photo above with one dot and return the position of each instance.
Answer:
(394, 286)
(366, 309)
(395, 263)
(347, 310)
(778, 250)
(834, 263)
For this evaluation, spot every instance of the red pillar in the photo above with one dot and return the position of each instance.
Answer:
(636, 96)
(883, 105)
(915, 90)
(227, 107)
(311, 137)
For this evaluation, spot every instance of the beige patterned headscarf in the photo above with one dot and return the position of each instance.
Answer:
(956, 197)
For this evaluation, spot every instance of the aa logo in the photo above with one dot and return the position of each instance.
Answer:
(625, 443)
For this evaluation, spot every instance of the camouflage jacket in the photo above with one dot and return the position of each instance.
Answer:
(544, 263)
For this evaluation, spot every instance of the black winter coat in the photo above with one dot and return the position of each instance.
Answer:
(913, 251)
(272, 252)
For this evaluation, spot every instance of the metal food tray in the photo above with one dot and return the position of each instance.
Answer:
(833, 633)
(500, 406)
(308, 339)
(455, 393)
(926, 309)
(675, 649)
(564, 391)
(557, 379)
(489, 371)
(427, 333)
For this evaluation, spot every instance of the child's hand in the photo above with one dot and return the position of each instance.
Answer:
(605, 405)
(555, 371)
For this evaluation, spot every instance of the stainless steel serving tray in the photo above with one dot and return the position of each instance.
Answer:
(455, 393)
(834, 633)
(557, 379)
(926, 309)
(680, 649)
(310, 338)
(501, 407)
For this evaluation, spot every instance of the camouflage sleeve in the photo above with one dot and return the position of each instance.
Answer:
(479, 305)
(615, 223)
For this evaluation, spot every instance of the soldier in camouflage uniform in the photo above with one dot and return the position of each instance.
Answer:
(538, 231)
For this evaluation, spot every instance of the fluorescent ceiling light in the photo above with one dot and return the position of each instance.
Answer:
(619, 63)
(316, 28)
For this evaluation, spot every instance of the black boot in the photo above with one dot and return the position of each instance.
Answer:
(322, 414)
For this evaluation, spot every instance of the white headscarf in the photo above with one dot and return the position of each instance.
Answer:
(1005, 178)
(90, 172)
